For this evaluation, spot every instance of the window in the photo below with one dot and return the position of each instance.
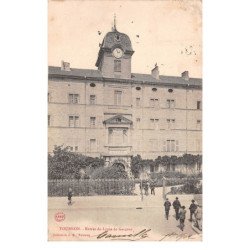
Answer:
(138, 102)
(172, 146)
(138, 88)
(198, 145)
(118, 97)
(76, 148)
(154, 89)
(170, 90)
(48, 120)
(198, 104)
(92, 99)
(170, 123)
(154, 123)
(153, 144)
(198, 124)
(154, 103)
(110, 136)
(92, 85)
(125, 135)
(73, 121)
(92, 145)
(170, 104)
(117, 65)
(117, 38)
(73, 98)
(92, 121)
(138, 120)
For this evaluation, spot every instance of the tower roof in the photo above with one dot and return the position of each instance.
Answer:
(116, 38)
(112, 40)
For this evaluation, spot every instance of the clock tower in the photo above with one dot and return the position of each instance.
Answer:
(114, 57)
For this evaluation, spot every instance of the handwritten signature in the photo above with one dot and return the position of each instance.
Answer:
(131, 237)
(177, 237)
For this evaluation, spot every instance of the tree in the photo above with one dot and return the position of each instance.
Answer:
(64, 164)
(136, 165)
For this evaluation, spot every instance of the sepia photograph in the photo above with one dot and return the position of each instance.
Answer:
(125, 120)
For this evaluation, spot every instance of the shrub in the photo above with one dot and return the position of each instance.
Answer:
(114, 172)
(191, 186)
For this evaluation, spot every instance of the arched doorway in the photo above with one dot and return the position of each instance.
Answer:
(118, 164)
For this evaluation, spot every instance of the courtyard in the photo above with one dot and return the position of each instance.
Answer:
(118, 218)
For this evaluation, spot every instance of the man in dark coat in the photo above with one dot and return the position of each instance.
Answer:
(167, 205)
(192, 209)
(152, 188)
(176, 205)
(70, 194)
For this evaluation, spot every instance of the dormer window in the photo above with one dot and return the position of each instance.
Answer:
(117, 38)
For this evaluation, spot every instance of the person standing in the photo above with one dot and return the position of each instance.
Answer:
(70, 194)
(167, 205)
(176, 205)
(146, 188)
(152, 188)
(192, 209)
(182, 216)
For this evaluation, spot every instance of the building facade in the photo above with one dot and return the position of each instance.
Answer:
(113, 113)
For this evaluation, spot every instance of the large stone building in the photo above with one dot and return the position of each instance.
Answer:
(113, 113)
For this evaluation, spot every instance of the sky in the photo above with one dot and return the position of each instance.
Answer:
(170, 33)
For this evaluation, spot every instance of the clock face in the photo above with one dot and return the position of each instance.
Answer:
(118, 53)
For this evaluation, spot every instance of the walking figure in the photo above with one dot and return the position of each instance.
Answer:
(192, 209)
(146, 188)
(70, 194)
(182, 216)
(167, 205)
(176, 205)
(152, 188)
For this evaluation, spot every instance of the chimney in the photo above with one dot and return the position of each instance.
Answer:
(155, 72)
(65, 66)
(185, 75)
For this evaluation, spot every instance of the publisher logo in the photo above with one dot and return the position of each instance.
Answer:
(60, 216)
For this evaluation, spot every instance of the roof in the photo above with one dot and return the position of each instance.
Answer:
(114, 38)
(136, 77)
(118, 119)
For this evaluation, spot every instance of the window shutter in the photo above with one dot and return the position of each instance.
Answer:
(76, 121)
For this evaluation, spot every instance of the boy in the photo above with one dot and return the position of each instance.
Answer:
(182, 217)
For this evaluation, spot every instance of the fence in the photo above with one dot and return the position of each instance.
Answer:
(91, 187)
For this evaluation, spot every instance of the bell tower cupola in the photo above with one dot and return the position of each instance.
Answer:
(115, 53)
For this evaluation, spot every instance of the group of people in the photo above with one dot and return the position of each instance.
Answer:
(180, 212)
(146, 187)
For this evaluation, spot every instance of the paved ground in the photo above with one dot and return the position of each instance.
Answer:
(90, 216)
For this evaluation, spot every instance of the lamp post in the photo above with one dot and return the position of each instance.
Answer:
(163, 188)
(141, 176)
